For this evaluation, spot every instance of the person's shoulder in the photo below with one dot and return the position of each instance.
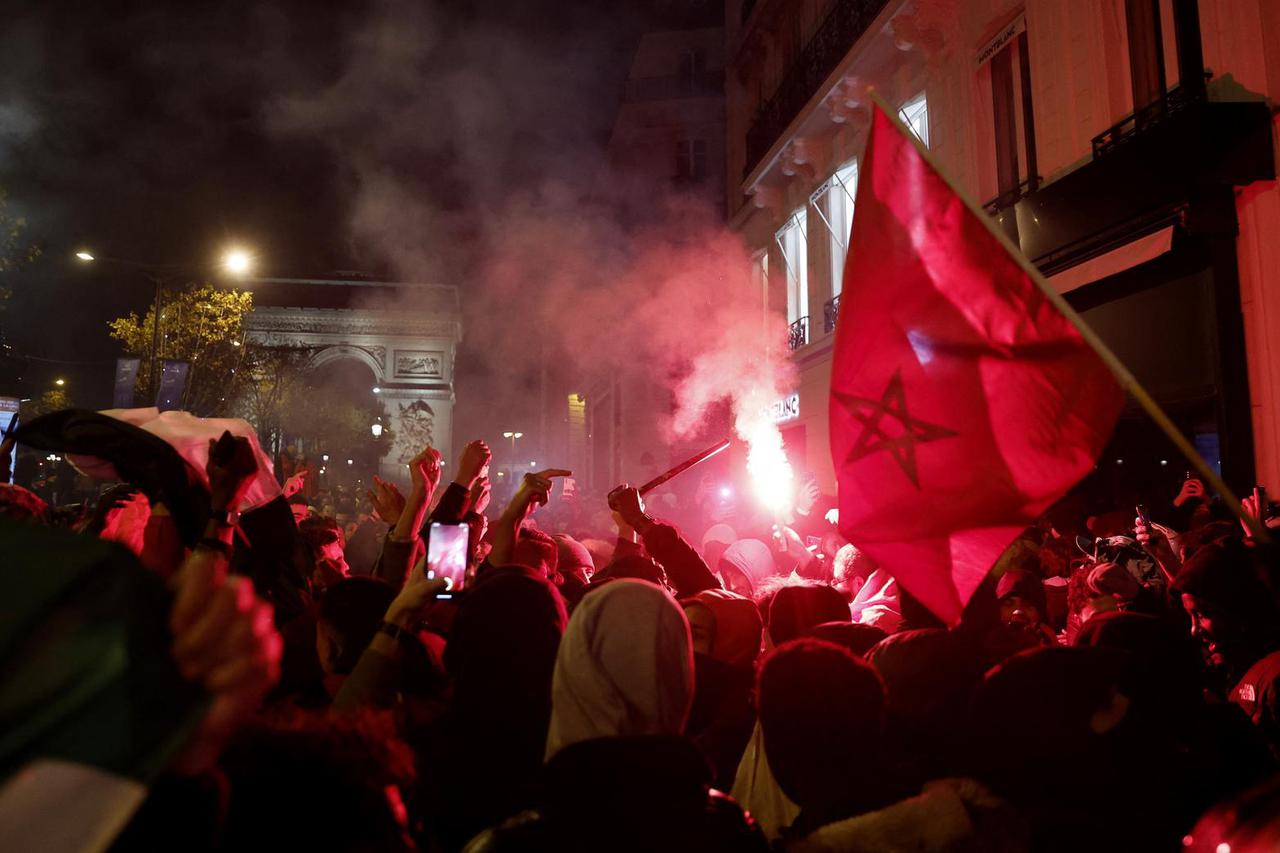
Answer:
(1260, 683)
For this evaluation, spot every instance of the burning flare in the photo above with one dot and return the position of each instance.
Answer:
(771, 476)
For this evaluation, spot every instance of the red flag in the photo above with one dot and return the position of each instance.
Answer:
(963, 402)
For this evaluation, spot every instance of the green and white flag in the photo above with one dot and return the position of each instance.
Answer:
(92, 707)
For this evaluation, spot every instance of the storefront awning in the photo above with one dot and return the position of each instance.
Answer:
(1117, 260)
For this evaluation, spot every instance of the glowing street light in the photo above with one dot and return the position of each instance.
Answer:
(237, 261)
(351, 462)
(377, 430)
(324, 458)
(513, 436)
(59, 382)
(377, 390)
(85, 256)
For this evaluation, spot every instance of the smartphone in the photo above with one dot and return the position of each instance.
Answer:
(1142, 514)
(447, 553)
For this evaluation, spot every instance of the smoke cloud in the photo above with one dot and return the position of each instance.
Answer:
(474, 161)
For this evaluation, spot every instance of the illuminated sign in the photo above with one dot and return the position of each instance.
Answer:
(786, 409)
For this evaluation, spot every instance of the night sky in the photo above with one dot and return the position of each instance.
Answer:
(370, 136)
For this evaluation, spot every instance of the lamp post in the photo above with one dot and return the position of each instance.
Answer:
(513, 436)
(235, 262)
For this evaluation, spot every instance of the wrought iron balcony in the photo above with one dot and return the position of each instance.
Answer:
(831, 313)
(703, 84)
(1011, 197)
(1174, 101)
(835, 37)
(799, 334)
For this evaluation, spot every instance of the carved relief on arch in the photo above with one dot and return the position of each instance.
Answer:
(336, 352)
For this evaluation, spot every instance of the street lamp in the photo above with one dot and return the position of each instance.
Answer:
(59, 382)
(376, 429)
(513, 436)
(236, 262)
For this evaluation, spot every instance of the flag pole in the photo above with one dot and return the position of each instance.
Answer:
(1126, 379)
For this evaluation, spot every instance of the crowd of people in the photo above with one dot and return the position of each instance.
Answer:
(1114, 685)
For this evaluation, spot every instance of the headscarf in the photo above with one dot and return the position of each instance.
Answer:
(736, 640)
(625, 666)
(721, 533)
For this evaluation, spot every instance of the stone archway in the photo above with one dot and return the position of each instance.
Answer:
(411, 354)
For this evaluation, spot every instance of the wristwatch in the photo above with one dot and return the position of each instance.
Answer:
(225, 517)
(394, 631)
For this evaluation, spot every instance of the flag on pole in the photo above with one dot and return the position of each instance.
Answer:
(963, 401)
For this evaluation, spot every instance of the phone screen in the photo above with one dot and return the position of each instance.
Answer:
(447, 553)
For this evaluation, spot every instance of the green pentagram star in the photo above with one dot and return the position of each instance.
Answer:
(875, 438)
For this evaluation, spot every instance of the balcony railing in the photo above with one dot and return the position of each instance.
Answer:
(843, 26)
(1174, 101)
(831, 313)
(798, 336)
(704, 84)
(1009, 198)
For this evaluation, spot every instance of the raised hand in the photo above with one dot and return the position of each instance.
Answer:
(223, 638)
(807, 497)
(472, 463)
(1156, 540)
(418, 591)
(481, 491)
(424, 470)
(534, 490)
(231, 469)
(388, 503)
(294, 484)
(1192, 490)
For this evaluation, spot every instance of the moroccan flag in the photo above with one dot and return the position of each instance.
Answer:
(963, 401)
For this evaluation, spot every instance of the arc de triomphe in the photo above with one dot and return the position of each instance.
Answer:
(409, 346)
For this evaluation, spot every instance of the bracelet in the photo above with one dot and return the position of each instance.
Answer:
(392, 630)
(211, 544)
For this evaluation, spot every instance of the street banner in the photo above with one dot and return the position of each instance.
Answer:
(173, 384)
(126, 380)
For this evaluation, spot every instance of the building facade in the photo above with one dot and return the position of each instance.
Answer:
(1125, 145)
(668, 140)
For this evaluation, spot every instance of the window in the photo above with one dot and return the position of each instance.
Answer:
(915, 115)
(793, 241)
(1006, 62)
(837, 197)
(693, 64)
(691, 159)
(1146, 51)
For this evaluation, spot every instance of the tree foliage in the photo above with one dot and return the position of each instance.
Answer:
(53, 400)
(203, 326)
(15, 252)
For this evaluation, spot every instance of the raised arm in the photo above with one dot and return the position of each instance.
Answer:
(686, 571)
